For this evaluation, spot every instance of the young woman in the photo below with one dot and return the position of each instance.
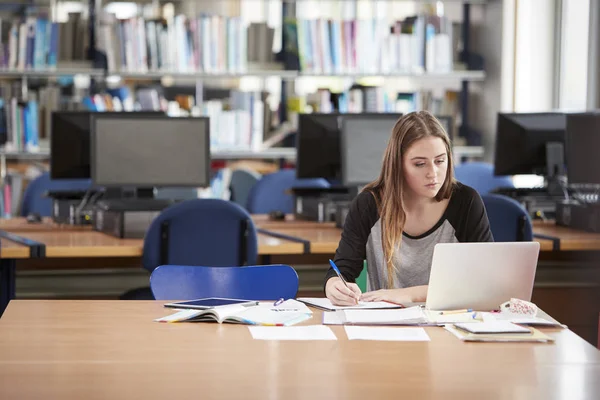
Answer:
(396, 221)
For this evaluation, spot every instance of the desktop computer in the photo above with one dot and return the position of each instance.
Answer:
(319, 155)
(533, 143)
(144, 152)
(70, 159)
(582, 210)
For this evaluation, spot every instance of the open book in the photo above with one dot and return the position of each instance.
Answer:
(289, 312)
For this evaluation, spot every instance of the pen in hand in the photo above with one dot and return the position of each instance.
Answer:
(337, 271)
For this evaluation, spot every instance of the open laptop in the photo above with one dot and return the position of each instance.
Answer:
(481, 276)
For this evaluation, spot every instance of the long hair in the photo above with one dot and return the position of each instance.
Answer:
(388, 189)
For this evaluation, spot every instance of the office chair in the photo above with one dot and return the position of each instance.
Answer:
(242, 182)
(263, 282)
(270, 193)
(33, 201)
(509, 221)
(480, 176)
(209, 232)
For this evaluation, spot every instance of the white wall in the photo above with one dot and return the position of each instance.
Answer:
(534, 55)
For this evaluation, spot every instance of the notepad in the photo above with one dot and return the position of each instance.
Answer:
(310, 332)
(386, 334)
(288, 313)
(325, 304)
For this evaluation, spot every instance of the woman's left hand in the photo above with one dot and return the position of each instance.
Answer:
(397, 296)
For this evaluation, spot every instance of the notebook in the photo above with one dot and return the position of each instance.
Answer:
(325, 304)
(288, 313)
(492, 327)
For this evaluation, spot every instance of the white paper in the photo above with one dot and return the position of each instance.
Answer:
(310, 332)
(333, 318)
(386, 334)
(412, 315)
(326, 303)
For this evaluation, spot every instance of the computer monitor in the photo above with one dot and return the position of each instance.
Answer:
(318, 145)
(70, 144)
(149, 151)
(583, 148)
(364, 139)
(530, 143)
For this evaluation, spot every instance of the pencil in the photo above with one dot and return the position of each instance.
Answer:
(466, 310)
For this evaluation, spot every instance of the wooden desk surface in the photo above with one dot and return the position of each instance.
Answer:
(78, 241)
(570, 239)
(113, 349)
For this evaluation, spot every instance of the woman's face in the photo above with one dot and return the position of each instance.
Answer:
(425, 166)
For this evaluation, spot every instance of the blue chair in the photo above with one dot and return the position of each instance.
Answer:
(263, 282)
(34, 200)
(271, 192)
(480, 176)
(509, 221)
(242, 182)
(210, 232)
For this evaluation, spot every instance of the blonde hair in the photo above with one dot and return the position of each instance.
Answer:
(389, 187)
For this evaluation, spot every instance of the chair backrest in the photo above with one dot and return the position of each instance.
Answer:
(263, 282)
(509, 221)
(270, 193)
(480, 176)
(34, 200)
(242, 181)
(210, 232)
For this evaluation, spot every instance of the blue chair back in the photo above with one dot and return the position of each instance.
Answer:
(270, 193)
(480, 176)
(210, 232)
(263, 282)
(509, 221)
(242, 181)
(34, 200)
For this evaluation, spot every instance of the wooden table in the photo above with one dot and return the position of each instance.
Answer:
(80, 242)
(112, 349)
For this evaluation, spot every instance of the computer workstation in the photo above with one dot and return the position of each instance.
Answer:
(346, 150)
(128, 156)
(533, 144)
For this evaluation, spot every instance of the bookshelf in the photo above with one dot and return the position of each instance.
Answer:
(50, 73)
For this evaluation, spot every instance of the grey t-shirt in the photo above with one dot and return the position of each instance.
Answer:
(464, 220)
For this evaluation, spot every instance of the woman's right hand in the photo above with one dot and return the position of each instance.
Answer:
(339, 294)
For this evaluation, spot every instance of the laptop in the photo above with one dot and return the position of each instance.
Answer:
(481, 276)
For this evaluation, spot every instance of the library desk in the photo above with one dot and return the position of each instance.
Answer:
(112, 349)
(80, 246)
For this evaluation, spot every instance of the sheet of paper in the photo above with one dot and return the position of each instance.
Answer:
(326, 303)
(386, 334)
(310, 332)
(333, 318)
(413, 315)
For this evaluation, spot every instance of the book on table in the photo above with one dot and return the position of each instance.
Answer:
(288, 313)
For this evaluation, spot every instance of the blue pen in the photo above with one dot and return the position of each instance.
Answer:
(337, 271)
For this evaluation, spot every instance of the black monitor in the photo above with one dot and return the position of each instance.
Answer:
(318, 145)
(129, 149)
(582, 148)
(530, 143)
(364, 138)
(70, 144)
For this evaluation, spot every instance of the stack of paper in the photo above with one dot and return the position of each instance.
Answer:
(406, 316)
(533, 335)
(521, 319)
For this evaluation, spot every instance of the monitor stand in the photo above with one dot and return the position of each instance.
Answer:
(556, 184)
